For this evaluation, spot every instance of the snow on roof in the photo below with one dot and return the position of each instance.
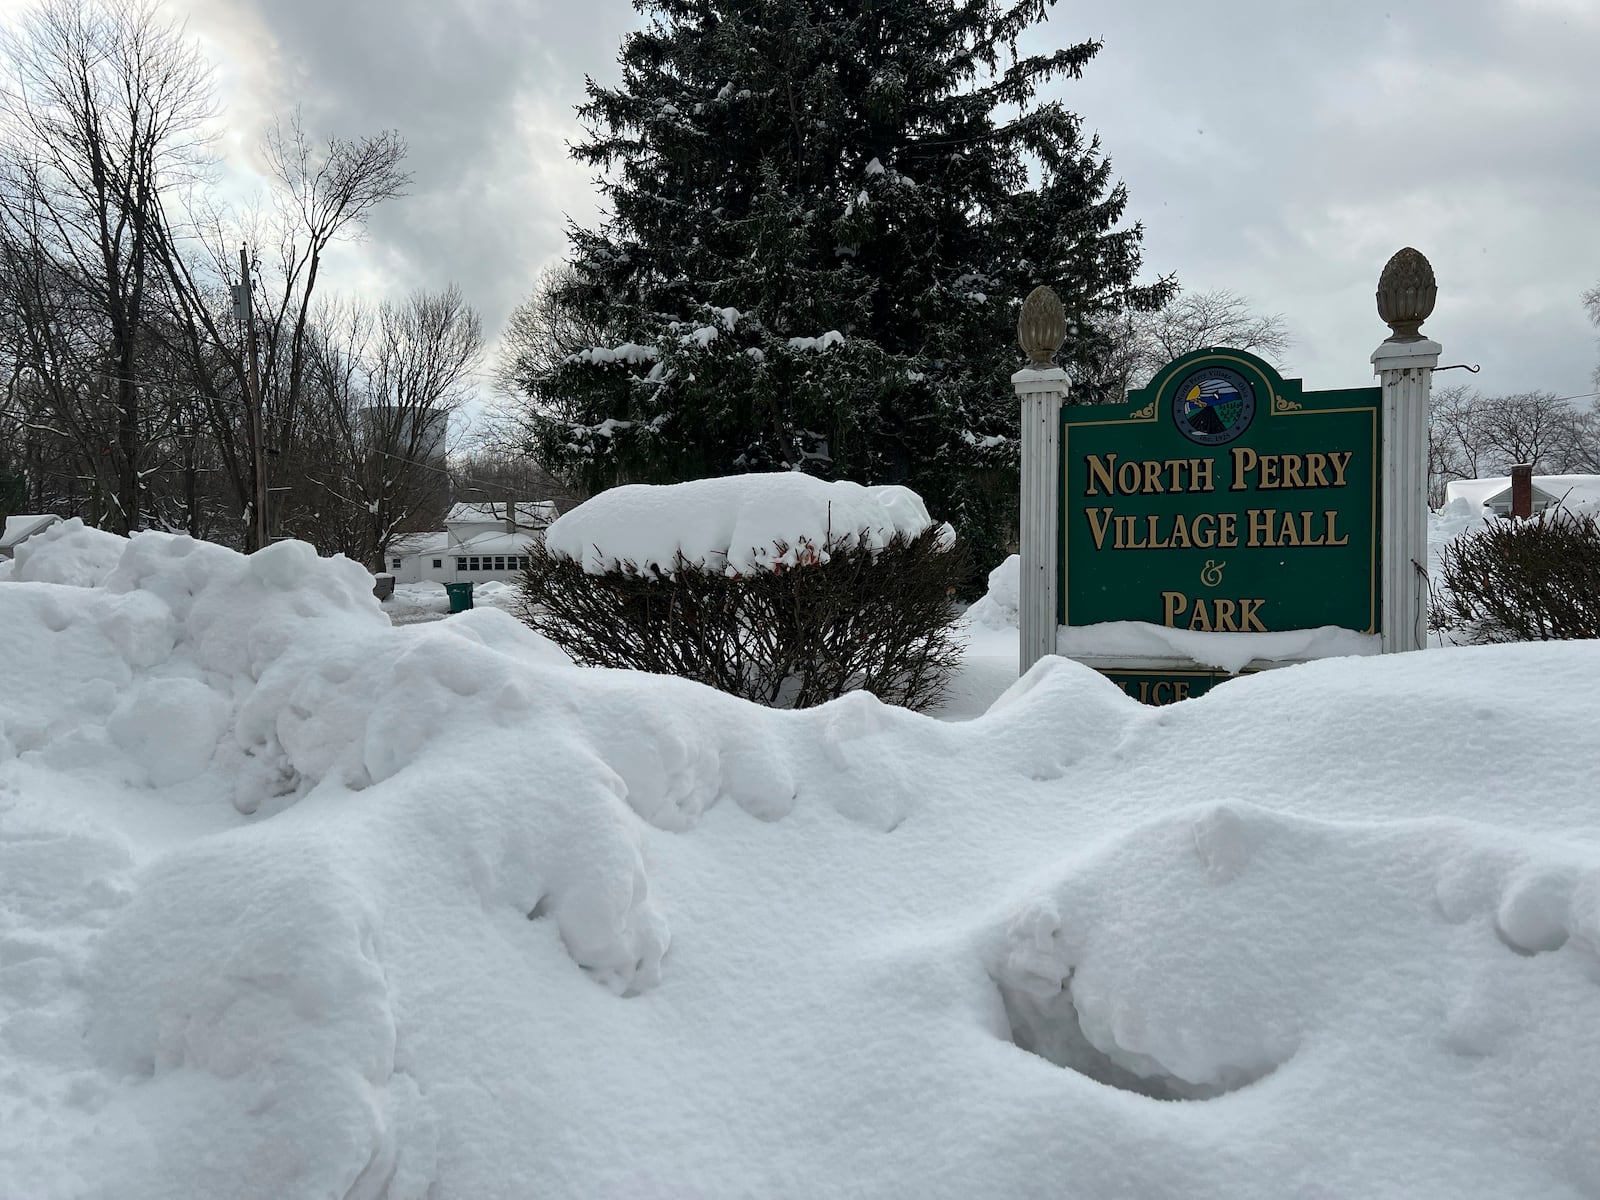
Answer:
(490, 542)
(733, 523)
(1475, 493)
(421, 543)
(984, 950)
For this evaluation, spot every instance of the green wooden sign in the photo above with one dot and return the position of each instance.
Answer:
(1222, 498)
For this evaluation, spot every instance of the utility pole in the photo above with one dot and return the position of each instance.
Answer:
(244, 311)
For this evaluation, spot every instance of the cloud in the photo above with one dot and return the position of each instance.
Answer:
(483, 93)
(1285, 150)
(1279, 148)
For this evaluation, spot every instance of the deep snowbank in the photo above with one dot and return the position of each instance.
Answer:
(294, 903)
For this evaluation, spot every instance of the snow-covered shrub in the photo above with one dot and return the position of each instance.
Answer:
(1523, 581)
(840, 616)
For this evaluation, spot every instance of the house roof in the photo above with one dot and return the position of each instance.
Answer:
(421, 543)
(1476, 493)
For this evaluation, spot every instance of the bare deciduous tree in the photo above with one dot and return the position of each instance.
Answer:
(1453, 448)
(381, 389)
(106, 105)
(1591, 302)
(491, 475)
(1471, 436)
(324, 192)
(542, 331)
(1145, 342)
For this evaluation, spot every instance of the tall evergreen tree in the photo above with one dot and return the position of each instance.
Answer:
(822, 216)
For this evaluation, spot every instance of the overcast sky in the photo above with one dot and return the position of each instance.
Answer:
(1279, 148)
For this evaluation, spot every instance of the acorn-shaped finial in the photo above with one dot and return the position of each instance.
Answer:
(1041, 326)
(1406, 292)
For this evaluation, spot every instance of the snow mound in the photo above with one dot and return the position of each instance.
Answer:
(997, 607)
(734, 524)
(1398, 952)
(68, 552)
(295, 902)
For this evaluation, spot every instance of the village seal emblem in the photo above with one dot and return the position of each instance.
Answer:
(1213, 405)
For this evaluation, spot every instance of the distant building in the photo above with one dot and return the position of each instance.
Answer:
(1494, 492)
(479, 542)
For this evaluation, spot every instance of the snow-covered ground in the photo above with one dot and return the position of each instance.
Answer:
(413, 603)
(295, 902)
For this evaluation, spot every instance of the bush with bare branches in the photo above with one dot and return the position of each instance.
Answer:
(1523, 581)
(847, 618)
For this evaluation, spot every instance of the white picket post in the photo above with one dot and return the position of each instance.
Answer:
(1405, 363)
(1041, 392)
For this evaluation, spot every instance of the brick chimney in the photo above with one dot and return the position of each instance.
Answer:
(1522, 490)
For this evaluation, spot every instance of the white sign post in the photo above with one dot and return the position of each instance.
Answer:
(1042, 389)
(1405, 363)
(1042, 393)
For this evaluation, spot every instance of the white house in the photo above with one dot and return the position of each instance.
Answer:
(1494, 492)
(479, 542)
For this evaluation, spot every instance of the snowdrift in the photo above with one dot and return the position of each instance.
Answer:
(296, 903)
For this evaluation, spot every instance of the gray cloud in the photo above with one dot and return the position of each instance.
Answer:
(1280, 148)
(482, 91)
(1284, 150)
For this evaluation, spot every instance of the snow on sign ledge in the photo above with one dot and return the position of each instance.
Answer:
(1230, 652)
(735, 523)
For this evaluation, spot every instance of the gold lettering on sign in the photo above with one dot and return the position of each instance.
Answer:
(1261, 526)
(1172, 604)
(1339, 460)
(1244, 461)
(1221, 615)
(1333, 539)
(1099, 525)
(1287, 472)
(1147, 476)
(1265, 528)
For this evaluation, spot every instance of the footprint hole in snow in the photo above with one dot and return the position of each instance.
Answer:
(1052, 1030)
